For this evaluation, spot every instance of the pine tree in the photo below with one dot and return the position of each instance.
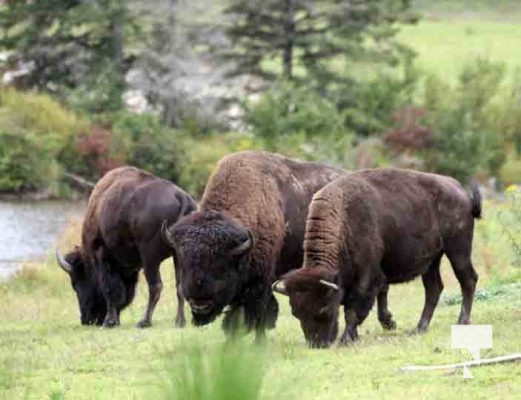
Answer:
(69, 47)
(312, 36)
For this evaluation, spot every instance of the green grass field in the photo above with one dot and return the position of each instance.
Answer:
(453, 33)
(445, 46)
(45, 353)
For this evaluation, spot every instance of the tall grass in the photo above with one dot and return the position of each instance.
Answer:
(229, 371)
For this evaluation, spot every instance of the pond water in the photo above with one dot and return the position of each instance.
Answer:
(28, 230)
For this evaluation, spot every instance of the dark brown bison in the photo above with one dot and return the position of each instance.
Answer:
(121, 234)
(371, 228)
(248, 231)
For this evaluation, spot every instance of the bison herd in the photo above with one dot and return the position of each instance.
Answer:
(322, 236)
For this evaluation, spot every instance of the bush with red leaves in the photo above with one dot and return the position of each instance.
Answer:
(95, 149)
(408, 132)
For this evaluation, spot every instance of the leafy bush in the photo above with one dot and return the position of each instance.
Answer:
(37, 135)
(465, 138)
(369, 103)
(95, 156)
(288, 109)
(199, 157)
(140, 140)
(511, 170)
(39, 113)
(25, 163)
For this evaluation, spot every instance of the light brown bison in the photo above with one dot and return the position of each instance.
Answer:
(122, 234)
(248, 231)
(370, 228)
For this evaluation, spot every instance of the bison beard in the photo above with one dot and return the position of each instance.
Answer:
(257, 194)
(372, 228)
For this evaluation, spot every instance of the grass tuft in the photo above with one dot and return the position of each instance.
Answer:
(229, 371)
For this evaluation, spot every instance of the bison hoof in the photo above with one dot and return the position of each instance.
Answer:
(144, 324)
(180, 323)
(418, 331)
(111, 323)
(388, 325)
(344, 342)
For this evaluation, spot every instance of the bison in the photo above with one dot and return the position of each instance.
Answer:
(371, 228)
(121, 234)
(248, 231)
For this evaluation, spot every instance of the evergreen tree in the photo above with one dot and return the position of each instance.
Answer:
(72, 48)
(312, 36)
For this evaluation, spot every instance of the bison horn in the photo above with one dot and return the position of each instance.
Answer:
(166, 235)
(329, 284)
(63, 263)
(280, 287)
(244, 246)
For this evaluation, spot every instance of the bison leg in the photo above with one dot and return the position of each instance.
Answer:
(467, 278)
(384, 315)
(180, 319)
(351, 330)
(433, 287)
(112, 287)
(356, 309)
(155, 286)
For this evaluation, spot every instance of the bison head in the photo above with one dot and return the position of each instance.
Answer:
(210, 250)
(314, 296)
(90, 299)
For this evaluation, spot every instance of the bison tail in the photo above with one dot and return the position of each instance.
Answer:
(475, 199)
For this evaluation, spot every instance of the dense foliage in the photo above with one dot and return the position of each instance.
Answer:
(337, 86)
(73, 49)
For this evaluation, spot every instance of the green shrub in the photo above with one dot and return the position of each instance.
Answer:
(199, 157)
(368, 103)
(140, 140)
(465, 138)
(25, 163)
(37, 135)
(288, 109)
(511, 170)
(38, 113)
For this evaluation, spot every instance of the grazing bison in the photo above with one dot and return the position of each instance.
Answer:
(121, 234)
(374, 227)
(248, 231)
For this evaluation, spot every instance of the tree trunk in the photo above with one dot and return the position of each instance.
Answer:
(117, 21)
(289, 32)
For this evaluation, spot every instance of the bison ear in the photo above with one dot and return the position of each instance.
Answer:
(280, 287)
(244, 247)
(166, 235)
